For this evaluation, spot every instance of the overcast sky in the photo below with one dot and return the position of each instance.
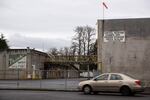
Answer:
(50, 23)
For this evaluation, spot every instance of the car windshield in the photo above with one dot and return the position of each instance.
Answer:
(101, 77)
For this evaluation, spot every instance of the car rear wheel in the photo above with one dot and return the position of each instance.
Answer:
(87, 89)
(125, 91)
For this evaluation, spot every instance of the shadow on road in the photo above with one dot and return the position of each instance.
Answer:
(113, 94)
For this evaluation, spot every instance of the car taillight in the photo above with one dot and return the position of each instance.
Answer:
(138, 82)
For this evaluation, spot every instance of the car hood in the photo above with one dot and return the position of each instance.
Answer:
(85, 82)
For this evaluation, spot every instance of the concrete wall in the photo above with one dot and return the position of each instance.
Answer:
(133, 55)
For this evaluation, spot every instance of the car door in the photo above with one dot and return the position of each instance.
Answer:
(100, 82)
(115, 82)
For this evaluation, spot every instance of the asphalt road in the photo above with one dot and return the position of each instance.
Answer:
(57, 95)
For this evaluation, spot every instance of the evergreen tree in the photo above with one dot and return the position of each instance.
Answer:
(3, 43)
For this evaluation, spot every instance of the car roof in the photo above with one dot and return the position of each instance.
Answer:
(115, 73)
(124, 75)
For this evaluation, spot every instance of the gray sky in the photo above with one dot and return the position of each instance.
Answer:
(50, 23)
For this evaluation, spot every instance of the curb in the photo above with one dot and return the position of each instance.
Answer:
(147, 92)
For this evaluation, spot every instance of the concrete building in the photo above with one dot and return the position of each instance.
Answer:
(124, 46)
(21, 63)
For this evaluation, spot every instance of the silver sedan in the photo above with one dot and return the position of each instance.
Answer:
(112, 82)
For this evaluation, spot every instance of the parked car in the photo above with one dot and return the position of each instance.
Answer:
(112, 82)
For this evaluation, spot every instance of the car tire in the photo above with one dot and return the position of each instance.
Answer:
(125, 91)
(87, 89)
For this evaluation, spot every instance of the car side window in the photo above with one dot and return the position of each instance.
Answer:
(115, 77)
(103, 77)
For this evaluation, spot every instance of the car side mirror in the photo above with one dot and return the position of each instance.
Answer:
(95, 79)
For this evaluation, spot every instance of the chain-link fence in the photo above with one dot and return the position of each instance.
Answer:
(43, 79)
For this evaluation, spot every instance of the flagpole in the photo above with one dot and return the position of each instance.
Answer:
(102, 35)
(103, 17)
(104, 6)
(103, 9)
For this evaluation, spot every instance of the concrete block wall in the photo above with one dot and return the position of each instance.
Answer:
(130, 57)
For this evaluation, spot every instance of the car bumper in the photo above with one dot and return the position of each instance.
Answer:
(79, 88)
(138, 89)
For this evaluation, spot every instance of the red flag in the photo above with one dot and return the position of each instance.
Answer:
(105, 5)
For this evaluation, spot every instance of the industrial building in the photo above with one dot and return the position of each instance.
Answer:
(124, 46)
(33, 64)
(21, 63)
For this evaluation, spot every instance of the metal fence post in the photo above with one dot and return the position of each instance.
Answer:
(66, 73)
(40, 76)
(18, 78)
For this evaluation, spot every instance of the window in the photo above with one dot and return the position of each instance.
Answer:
(103, 77)
(115, 77)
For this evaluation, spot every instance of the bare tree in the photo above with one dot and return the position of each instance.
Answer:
(84, 42)
(77, 39)
(84, 39)
(53, 51)
(64, 51)
(73, 49)
(90, 33)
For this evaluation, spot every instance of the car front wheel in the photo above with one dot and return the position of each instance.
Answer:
(87, 89)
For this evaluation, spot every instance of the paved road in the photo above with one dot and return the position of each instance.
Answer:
(55, 95)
